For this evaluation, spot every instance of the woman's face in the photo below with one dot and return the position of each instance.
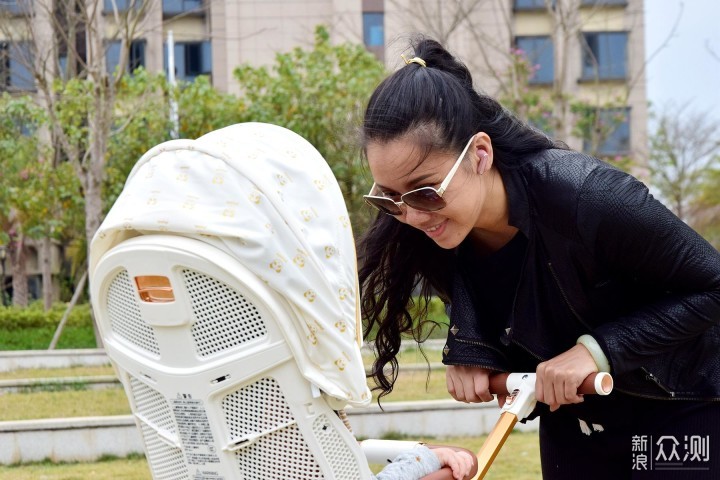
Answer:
(398, 166)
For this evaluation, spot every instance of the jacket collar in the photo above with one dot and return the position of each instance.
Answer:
(515, 183)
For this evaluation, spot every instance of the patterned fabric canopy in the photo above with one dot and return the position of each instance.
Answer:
(266, 196)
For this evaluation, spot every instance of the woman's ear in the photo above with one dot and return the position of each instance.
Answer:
(483, 152)
(484, 163)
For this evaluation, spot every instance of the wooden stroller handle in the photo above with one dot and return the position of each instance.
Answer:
(506, 383)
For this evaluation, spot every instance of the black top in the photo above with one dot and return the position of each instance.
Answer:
(494, 279)
(620, 266)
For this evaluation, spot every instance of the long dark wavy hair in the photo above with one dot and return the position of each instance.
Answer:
(438, 105)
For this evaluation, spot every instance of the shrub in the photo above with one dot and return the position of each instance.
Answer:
(34, 316)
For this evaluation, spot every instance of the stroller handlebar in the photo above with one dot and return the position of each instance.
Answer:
(505, 383)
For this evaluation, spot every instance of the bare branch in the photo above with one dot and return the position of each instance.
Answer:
(633, 81)
(712, 51)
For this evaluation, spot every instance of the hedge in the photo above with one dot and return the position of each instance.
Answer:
(34, 316)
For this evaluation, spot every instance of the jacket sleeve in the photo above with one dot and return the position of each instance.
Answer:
(466, 344)
(411, 465)
(634, 234)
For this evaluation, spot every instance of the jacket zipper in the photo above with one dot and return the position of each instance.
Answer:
(567, 301)
(481, 344)
(648, 374)
(656, 381)
(486, 367)
(527, 350)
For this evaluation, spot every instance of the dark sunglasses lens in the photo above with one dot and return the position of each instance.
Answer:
(425, 199)
(385, 205)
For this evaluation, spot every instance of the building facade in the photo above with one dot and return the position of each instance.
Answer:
(589, 51)
(589, 54)
(583, 52)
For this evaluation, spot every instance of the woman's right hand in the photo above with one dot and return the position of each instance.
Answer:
(468, 384)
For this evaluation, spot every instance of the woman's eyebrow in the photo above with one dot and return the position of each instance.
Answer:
(420, 179)
(410, 184)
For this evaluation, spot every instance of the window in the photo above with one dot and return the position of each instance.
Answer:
(121, 5)
(191, 59)
(611, 132)
(539, 52)
(136, 57)
(531, 4)
(176, 7)
(604, 55)
(373, 29)
(15, 71)
(15, 7)
(603, 3)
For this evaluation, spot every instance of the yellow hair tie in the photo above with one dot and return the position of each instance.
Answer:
(417, 60)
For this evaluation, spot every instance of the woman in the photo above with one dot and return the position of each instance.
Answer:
(552, 261)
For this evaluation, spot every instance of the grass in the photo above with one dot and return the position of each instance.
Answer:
(518, 460)
(415, 385)
(71, 401)
(68, 403)
(410, 355)
(78, 402)
(39, 338)
(131, 468)
(77, 371)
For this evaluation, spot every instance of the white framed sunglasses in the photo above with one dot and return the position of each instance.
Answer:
(425, 199)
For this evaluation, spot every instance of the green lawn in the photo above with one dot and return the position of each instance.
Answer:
(77, 371)
(39, 338)
(77, 401)
(518, 460)
(69, 403)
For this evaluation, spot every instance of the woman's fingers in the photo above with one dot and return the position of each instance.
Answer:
(468, 384)
(559, 378)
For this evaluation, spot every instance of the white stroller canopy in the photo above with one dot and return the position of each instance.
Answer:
(266, 196)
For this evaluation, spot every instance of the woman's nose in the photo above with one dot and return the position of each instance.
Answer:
(415, 218)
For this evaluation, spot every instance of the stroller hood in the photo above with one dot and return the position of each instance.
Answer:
(266, 196)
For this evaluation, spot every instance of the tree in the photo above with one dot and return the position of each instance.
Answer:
(202, 108)
(684, 162)
(19, 149)
(141, 121)
(707, 217)
(319, 94)
(65, 52)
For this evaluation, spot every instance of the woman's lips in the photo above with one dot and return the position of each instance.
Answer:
(436, 230)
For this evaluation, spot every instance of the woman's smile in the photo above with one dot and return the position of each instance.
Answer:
(436, 230)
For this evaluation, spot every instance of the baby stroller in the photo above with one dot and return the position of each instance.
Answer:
(224, 286)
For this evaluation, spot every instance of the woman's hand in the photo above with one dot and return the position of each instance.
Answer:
(468, 384)
(559, 378)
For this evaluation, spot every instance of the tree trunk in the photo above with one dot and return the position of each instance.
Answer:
(18, 266)
(66, 315)
(46, 268)
(92, 183)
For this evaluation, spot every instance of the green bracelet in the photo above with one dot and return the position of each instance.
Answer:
(595, 352)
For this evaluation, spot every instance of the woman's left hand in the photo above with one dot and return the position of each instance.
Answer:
(559, 378)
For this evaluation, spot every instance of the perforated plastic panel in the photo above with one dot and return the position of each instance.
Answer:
(152, 405)
(125, 318)
(256, 408)
(281, 455)
(225, 319)
(166, 462)
(336, 451)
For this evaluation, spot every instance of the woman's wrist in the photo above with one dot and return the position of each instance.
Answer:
(596, 352)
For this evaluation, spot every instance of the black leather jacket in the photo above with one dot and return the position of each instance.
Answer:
(605, 258)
